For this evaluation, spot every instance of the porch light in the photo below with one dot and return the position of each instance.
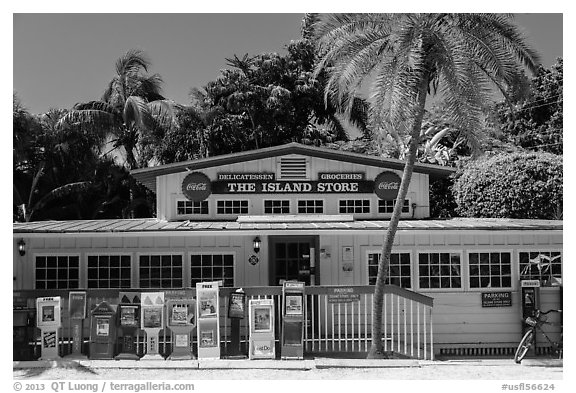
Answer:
(21, 247)
(257, 244)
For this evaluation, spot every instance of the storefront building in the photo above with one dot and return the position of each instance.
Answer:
(294, 212)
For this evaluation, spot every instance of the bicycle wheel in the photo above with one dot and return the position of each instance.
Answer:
(524, 346)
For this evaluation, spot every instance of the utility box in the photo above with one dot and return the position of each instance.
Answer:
(208, 325)
(152, 321)
(262, 342)
(23, 328)
(76, 315)
(293, 310)
(49, 322)
(128, 320)
(102, 331)
(181, 319)
(236, 311)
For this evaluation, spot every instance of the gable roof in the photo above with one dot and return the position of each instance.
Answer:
(147, 176)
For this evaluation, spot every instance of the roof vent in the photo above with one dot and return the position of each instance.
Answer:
(293, 168)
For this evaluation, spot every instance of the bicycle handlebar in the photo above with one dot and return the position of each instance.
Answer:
(549, 311)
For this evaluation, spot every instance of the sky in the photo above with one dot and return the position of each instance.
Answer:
(61, 59)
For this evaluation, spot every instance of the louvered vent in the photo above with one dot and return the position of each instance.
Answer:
(293, 168)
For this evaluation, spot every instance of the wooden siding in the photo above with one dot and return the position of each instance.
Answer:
(168, 190)
(459, 318)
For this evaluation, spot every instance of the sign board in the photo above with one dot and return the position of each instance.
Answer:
(343, 295)
(196, 186)
(496, 299)
(387, 185)
(293, 187)
(529, 283)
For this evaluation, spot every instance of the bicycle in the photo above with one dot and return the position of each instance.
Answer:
(536, 322)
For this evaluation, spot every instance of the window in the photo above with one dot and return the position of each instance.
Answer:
(277, 206)
(490, 269)
(232, 207)
(398, 273)
(57, 272)
(545, 266)
(161, 271)
(109, 271)
(190, 207)
(439, 270)
(355, 206)
(388, 206)
(312, 206)
(212, 267)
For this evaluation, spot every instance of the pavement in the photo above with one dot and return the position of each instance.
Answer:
(272, 364)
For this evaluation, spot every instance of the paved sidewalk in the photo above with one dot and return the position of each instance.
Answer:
(306, 364)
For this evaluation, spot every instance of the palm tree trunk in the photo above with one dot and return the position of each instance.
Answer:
(377, 349)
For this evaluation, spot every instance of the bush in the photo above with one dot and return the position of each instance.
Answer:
(517, 185)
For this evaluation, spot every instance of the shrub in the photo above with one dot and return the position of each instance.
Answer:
(517, 185)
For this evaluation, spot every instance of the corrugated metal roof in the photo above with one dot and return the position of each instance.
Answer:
(147, 225)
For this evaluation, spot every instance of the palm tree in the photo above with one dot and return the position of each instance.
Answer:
(406, 57)
(132, 111)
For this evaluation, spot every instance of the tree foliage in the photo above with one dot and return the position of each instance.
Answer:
(132, 110)
(517, 185)
(535, 119)
(58, 172)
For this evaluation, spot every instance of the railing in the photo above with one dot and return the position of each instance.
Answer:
(332, 326)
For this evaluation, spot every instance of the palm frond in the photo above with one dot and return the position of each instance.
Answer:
(60, 192)
(136, 114)
(132, 62)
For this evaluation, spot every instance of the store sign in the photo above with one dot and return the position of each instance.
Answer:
(196, 186)
(343, 295)
(496, 299)
(265, 183)
(387, 185)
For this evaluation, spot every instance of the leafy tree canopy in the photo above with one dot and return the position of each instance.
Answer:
(535, 120)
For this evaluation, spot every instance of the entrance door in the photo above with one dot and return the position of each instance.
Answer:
(292, 258)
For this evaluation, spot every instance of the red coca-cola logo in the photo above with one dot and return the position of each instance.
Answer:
(196, 186)
(387, 185)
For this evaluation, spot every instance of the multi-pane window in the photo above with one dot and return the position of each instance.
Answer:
(355, 206)
(191, 207)
(439, 270)
(490, 269)
(232, 207)
(545, 266)
(212, 267)
(388, 206)
(398, 272)
(57, 272)
(161, 271)
(311, 206)
(276, 206)
(109, 271)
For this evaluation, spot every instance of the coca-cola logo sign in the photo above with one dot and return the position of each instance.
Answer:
(386, 185)
(196, 186)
